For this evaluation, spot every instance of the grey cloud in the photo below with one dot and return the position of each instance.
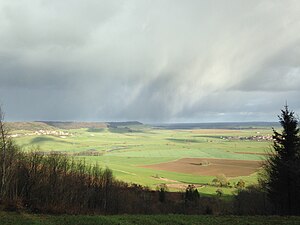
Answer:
(148, 60)
(281, 72)
(58, 23)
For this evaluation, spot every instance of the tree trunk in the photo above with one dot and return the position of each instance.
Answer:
(3, 154)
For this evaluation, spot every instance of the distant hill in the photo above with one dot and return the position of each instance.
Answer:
(75, 125)
(94, 125)
(225, 125)
(128, 123)
(30, 126)
(52, 125)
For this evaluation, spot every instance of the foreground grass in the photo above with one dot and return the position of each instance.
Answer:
(32, 219)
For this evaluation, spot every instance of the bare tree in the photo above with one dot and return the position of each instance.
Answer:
(3, 146)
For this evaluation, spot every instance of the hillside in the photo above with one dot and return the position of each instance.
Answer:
(28, 126)
(51, 125)
(75, 125)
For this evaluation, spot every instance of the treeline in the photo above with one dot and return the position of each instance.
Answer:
(54, 183)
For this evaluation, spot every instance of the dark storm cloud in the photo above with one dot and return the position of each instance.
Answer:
(149, 60)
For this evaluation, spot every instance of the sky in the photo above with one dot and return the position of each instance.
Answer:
(149, 60)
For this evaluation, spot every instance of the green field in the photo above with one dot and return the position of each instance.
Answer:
(31, 219)
(125, 149)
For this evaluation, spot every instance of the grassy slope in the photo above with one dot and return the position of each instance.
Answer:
(30, 219)
(124, 151)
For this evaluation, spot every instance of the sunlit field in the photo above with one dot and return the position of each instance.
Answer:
(151, 156)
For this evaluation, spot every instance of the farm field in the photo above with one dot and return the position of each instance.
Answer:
(154, 155)
(24, 219)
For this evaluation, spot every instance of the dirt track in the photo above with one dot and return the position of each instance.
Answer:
(209, 167)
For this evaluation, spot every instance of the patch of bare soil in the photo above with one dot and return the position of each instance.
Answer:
(176, 184)
(209, 166)
(166, 180)
(181, 186)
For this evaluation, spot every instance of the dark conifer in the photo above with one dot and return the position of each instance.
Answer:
(283, 166)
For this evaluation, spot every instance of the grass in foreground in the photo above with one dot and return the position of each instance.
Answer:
(33, 219)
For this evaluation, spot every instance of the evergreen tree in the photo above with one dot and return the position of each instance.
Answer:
(283, 166)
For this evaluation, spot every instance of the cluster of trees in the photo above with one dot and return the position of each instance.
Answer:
(53, 182)
(58, 184)
(221, 181)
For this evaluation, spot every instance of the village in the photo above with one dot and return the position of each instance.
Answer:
(56, 133)
(267, 137)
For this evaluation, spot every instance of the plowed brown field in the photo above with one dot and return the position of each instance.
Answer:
(209, 166)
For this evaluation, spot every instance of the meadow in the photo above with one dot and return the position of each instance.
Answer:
(136, 152)
(24, 219)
